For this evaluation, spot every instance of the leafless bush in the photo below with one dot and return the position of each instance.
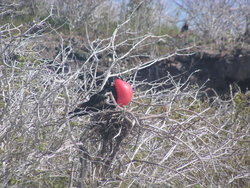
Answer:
(167, 137)
(222, 21)
(79, 12)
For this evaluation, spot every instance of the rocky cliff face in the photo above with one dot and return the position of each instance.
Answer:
(219, 70)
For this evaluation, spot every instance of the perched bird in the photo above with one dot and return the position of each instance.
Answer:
(121, 91)
(184, 27)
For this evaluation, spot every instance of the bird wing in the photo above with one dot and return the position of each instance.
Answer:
(96, 103)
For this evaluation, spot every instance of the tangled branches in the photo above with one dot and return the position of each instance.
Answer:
(168, 136)
(100, 143)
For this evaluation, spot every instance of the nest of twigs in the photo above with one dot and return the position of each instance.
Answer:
(101, 141)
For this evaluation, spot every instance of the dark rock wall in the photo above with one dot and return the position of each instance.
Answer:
(220, 70)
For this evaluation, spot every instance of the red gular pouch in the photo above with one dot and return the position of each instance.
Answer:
(124, 92)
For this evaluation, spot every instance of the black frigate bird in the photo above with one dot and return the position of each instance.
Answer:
(184, 27)
(121, 91)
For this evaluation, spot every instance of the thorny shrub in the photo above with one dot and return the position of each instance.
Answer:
(166, 137)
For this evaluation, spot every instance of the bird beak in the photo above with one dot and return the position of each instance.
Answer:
(110, 96)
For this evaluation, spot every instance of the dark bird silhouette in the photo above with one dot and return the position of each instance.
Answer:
(96, 103)
(121, 91)
(184, 27)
